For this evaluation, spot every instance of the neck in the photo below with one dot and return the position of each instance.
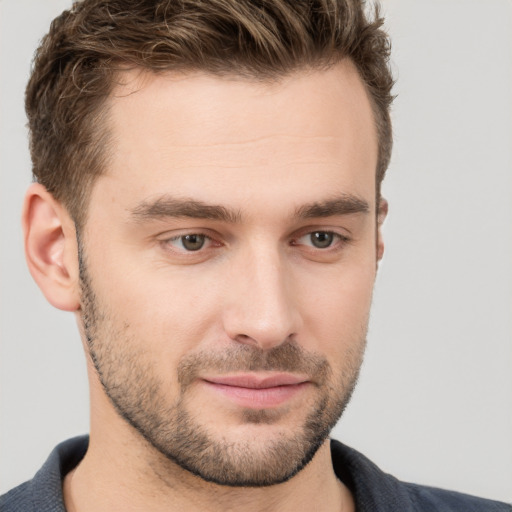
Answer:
(119, 474)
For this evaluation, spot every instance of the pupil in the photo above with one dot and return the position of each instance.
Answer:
(193, 242)
(321, 239)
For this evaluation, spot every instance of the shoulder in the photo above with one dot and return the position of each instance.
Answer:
(376, 491)
(17, 499)
(440, 500)
(44, 492)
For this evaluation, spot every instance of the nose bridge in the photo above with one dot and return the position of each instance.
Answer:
(262, 310)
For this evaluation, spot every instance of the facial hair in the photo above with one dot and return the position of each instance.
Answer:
(178, 432)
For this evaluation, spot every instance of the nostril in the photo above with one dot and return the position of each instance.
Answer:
(262, 341)
(243, 338)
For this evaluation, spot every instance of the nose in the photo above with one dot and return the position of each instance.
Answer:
(262, 309)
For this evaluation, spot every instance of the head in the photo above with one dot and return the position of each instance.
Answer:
(211, 211)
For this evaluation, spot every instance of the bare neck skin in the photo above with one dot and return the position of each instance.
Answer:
(123, 472)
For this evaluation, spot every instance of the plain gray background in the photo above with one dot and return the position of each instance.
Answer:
(434, 402)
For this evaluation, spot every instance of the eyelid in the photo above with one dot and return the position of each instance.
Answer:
(181, 237)
(210, 241)
(335, 234)
(213, 240)
(343, 234)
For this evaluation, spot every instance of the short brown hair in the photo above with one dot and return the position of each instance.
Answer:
(75, 67)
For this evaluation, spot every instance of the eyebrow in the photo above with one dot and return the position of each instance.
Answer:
(168, 206)
(345, 204)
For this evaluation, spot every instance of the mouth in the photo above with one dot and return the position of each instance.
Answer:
(257, 391)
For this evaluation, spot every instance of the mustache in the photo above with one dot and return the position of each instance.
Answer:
(287, 357)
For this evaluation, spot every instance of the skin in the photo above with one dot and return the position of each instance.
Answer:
(268, 154)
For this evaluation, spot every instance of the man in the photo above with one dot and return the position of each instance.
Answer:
(208, 204)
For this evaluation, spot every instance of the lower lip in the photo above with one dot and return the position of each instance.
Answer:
(258, 398)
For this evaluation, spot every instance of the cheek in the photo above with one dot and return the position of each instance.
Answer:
(336, 315)
(167, 312)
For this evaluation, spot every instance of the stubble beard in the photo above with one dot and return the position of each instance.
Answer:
(139, 397)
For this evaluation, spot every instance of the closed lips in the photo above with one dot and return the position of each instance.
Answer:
(257, 382)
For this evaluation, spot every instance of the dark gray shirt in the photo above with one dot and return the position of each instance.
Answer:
(373, 490)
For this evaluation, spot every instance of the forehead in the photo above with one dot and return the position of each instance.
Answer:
(209, 136)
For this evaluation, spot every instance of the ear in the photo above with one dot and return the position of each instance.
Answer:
(381, 216)
(51, 248)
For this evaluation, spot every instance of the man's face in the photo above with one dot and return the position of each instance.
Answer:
(227, 265)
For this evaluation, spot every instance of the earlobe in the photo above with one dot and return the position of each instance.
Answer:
(50, 248)
(381, 216)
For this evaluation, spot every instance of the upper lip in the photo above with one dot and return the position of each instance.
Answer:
(255, 381)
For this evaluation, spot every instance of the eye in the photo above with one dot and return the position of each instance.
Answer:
(192, 242)
(320, 239)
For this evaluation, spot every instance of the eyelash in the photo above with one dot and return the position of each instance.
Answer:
(338, 239)
(183, 236)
